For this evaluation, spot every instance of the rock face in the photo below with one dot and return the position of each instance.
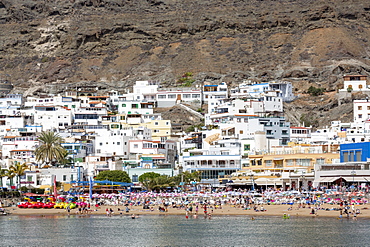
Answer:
(46, 45)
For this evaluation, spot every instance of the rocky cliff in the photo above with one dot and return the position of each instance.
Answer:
(47, 45)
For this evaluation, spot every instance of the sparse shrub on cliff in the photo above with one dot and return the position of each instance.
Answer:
(186, 80)
(314, 91)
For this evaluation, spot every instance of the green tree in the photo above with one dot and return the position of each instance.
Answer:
(10, 174)
(18, 170)
(114, 176)
(64, 159)
(148, 176)
(188, 177)
(162, 182)
(186, 79)
(50, 149)
(3, 173)
(313, 91)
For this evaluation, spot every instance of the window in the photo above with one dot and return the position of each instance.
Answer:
(195, 96)
(64, 177)
(123, 105)
(247, 147)
(359, 107)
(345, 156)
(241, 132)
(172, 96)
(136, 145)
(358, 155)
(359, 115)
(268, 162)
(303, 162)
(118, 143)
(156, 123)
(147, 145)
(320, 161)
(289, 162)
(186, 96)
(368, 107)
(161, 96)
(98, 151)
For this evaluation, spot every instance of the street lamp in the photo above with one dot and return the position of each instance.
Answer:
(353, 178)
(252, 177)
(303, 176)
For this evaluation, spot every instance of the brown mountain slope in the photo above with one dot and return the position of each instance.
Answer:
(120, 41)
(48, 45)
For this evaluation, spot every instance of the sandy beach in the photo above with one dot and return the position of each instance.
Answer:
(271, 210)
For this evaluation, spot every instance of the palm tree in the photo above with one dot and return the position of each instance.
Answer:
(19, 170)
(50, 149)
(3, 173)
(10, 174)
(65, 160)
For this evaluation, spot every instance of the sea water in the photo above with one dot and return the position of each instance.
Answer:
(151, 230)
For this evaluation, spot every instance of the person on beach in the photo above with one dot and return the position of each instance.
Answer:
(68, 208)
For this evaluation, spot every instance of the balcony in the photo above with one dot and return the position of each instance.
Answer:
(102, 167)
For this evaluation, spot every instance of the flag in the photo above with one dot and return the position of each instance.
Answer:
(90, 188)
(55, 187)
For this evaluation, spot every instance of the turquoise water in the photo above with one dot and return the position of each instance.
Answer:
(177, 231)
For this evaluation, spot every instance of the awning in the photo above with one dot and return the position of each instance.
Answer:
(360, 179)
(328, 179)
(266, 181)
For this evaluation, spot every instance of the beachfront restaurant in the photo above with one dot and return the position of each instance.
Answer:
(342, 174)
(212, 166)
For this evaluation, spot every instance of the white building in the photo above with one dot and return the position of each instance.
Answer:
(171, 97)
(135, 107)
(283, 90)
(112, 144)
(354, 83)
(11, 143)
(361, 111)
(52, 117)
(215, 91)
(145, 90)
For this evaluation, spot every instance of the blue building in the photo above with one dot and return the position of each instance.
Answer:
(355, 152)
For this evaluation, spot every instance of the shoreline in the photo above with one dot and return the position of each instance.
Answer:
(227, 210)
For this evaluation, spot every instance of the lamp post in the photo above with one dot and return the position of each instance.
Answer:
(252, 177)
(303, 176)
(353, 179)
